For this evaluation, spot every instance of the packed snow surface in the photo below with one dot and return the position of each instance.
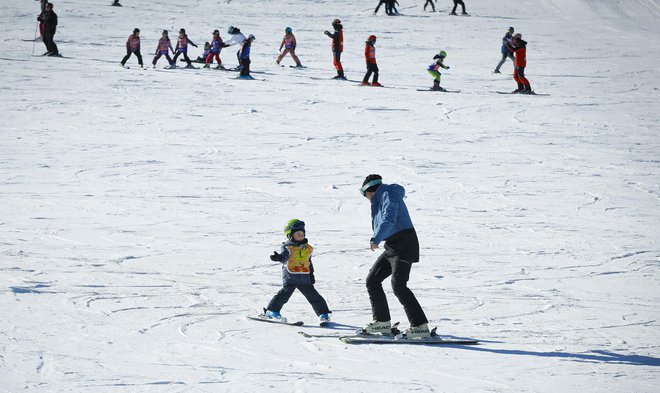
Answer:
(138, 208)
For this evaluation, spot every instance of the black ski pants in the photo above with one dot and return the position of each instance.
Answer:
(128, 55)
(371, 68)
(456, 3)
(311, 294)
(381, 2)
(245, 67)
(185, 57)
(431, 3)
(158, 56)
(389, 264)
(49, 35)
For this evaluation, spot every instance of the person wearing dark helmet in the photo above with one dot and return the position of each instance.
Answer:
(337, 47)
(506, 53)
(182, 48)
(456, 3)
(519, 49)
(391, 223)
(370, 59)
(133, 47)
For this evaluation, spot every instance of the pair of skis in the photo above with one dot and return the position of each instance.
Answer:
(364, 338)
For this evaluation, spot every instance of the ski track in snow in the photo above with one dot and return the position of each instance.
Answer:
(139, 207)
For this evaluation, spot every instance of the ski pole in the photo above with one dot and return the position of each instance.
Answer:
(35, 37)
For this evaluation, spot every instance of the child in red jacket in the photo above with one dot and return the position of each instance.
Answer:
(370, 58)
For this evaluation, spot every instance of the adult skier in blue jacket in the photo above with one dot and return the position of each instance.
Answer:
(391, 223)
(506, 53)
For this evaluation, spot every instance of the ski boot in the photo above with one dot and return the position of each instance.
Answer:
(377, 327)
(274, 315)
(496, 72)
(324, 318)
(207, 65)
(365, 84)
(219, 67)
(421, 331)
(376, 84)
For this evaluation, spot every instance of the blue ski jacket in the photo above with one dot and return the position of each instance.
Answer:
(389, 214)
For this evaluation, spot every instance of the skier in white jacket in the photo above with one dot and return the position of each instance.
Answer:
(237, 38)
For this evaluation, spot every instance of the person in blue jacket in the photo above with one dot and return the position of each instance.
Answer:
(391, 223)
(244, 57)
(507, 39)
(297, 273)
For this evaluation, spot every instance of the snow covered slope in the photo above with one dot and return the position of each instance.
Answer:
(138, 208)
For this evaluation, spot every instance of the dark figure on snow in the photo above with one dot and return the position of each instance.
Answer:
(49, 19)
(381, 2)
(519, 48)
(391, 223)
(337, 47)
(133, 47)
(370, 59)
(506, 53)
(182, 48)
(116, 4)
(456, 3)
(391, 7)
(429, 2)
(244, 57)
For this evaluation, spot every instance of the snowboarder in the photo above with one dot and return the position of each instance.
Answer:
(506, 40)
(337, 47)
(289, 43)
(214, 51)
(182, 48)
(370, 58)
(49, 19)
(237, 38)
(456, 3)
(430, 2)
(163, 48)
(434, 68)
(519, 48)
(391, 223)
(297, 273)
(133, 47)
(244, 57)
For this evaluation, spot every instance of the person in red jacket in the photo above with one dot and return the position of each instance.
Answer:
(337, 47)
(519, 49)
(133, 47)
(370, 59)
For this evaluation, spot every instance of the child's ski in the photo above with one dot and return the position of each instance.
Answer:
(434, 340)
(522, 94)
(440, 91)
(262, 318)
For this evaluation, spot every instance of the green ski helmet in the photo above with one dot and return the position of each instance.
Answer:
(441, 55)
(293, 226)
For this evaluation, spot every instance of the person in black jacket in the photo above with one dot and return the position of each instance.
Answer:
(49, 19)
(337, 47)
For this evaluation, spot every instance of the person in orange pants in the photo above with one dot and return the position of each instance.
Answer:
(289, 45)
(519, 49)
(370, 58)
(337, 47)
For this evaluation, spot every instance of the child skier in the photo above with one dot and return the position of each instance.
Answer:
(519, 48)
(289, 44)
(506, 40)
(244, 57)
(163, 48)
(297, 273)
(237, 38)
(182, 48)
(337, 47)
(133, 46)
(202, 58)
(214, 51)
(370, 58)
(434, 67)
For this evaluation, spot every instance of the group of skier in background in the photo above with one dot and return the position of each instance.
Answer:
(513, 47)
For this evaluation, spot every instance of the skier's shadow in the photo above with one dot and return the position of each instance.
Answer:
(595, 356)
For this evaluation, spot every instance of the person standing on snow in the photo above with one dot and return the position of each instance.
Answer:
(297, 273)
(456, 3)
(370, 58)
(337, 47)
(49, 19)
(237, 38)
(182, 48)
(506, 53)
(519, 48)
(244, 57)
(434, 69)
(133, 47)
(391, 223)
(429, 2)
(289, 43)
(214, 51)
(163, 48)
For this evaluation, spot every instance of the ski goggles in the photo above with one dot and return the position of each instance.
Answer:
(375, 182)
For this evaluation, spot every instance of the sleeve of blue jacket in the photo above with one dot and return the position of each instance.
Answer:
(389, 210)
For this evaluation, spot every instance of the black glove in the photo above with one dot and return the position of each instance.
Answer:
(275, 257)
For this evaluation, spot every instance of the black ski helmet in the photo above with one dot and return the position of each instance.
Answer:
(232, 30)
(136, 30)
(165, 32)
(182, 31)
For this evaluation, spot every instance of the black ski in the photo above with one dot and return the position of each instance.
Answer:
(440, 91)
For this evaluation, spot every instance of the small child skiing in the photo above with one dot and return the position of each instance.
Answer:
(297, 273)
(202, 58)
(214, 51)
(133, 47)
(370, 58)
(182, 48)
(434, 67)
(289, 44)
(337, 47)
(506, 53)
(163, 48)
(519, 48)
(244, 57)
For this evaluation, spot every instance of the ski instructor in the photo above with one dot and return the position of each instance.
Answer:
(391, 223)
